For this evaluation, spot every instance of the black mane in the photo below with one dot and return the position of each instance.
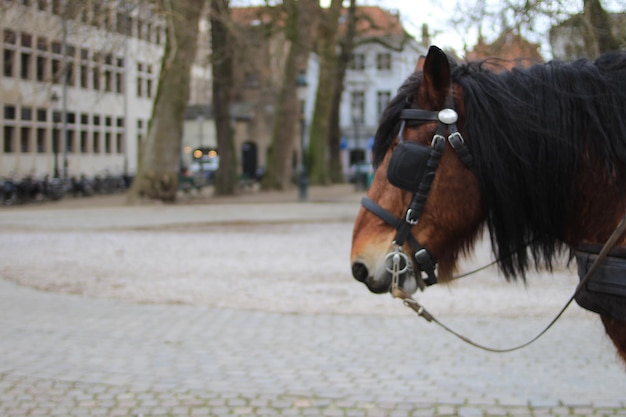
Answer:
(528, 130)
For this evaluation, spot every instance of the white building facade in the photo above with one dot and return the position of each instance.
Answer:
(92, 120)
(375, 74)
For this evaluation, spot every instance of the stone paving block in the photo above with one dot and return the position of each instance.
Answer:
(466, 411)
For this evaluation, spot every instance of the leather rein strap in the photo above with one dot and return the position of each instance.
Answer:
(608, 245)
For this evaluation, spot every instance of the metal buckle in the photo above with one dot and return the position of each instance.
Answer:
(437, 138)
(456, 140)
(409, 217)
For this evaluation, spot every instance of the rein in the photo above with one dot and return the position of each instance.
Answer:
(422, 312)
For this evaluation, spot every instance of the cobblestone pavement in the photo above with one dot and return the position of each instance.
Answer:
(189, 310)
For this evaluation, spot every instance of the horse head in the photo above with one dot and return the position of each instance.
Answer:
(424, 205)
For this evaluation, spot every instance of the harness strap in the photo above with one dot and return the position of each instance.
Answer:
(389, 218)
(419, 114)
(423, 258)
(619, 231)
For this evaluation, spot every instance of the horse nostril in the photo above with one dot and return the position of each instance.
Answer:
(359, 271)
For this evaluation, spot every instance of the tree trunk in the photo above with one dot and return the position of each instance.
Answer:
(300, 25)
(334, 140)
(599, 27)
(318, 151)
(222, 62)
(157, 174)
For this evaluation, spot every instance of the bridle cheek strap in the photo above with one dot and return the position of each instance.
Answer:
(423, 259)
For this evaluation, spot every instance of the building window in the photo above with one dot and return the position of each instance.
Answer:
(56, 117)
(26, 113)
(56, 62)
(96, 142)
(139, 86)
(144, 80)
(9, 37)
(119, 143)
(56, 7)
(42, 63)
(84, 141)
(95, 70)
(56, 134)
(119, 83)
(25, 58)
(41, 140)
(25, 139)
(9, 53)
(122, 23)
(96, 77)
(9, 133)
(56, 71)
(107, 142)
(357, 106)
(69, 141)
(383, 61)
(84, 76)
(42, 115)
(109, 69)
(108, 80)
(358, 62)
(382, 99)
(119, 76)
(84, 68)
(9, 112)
(9, 64)
(70, 77)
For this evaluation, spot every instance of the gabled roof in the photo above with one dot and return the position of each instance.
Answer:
(254, 15)
(511, 49)
(372, 21)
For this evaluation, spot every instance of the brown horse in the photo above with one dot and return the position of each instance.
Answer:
(538, 158)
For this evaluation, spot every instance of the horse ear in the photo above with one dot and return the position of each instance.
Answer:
(436, 81)
(420, 63)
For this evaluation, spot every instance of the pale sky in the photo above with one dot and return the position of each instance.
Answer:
(438, 14)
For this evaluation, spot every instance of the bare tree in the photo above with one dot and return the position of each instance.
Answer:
(301, 19)
(327, 41)
(222, 62)
(346, 46)
(593, 21)
(600, 36)
(157, 175)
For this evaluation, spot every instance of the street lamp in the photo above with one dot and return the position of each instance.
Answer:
(303, 178)
(54, 99)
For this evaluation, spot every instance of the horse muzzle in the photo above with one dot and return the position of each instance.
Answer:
(396, 272)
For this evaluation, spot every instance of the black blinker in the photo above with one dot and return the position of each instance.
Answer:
(408, 165)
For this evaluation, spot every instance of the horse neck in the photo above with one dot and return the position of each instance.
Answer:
(598, 206)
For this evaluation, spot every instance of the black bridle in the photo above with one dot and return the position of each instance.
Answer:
(407, 159)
